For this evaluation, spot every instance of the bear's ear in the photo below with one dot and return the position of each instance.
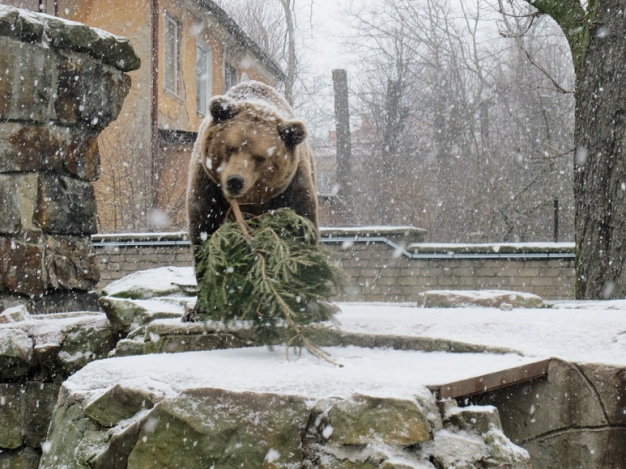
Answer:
(292, 133)
(222, 108)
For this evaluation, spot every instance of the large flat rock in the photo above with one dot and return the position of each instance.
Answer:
(385, 373)
(253, 407)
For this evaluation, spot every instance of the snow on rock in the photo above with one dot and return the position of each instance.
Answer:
(54, 328)
(127, 315)
(584, 336)
(14, 314)
(54, 345)
(194, 409)
(376, 372)
(63, 33)
(486, 298)
(455, 448)
(152, 283)
(467, 449)
(16, 353)
(480, 418)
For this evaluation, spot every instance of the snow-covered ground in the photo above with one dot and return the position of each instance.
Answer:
(585, 333)
(579, 331)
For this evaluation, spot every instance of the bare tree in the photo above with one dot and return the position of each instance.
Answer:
(262, 21)
(469, 140)
(127, 196)
(273, 26)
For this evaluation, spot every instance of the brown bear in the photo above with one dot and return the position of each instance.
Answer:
(252, 149)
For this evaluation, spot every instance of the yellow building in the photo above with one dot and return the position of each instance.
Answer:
(190, 50)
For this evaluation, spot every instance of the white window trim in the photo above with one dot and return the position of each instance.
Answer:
(171, 19)
(209, 74)
(225, 66)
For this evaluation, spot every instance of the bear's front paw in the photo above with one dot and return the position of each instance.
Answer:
(191, 315)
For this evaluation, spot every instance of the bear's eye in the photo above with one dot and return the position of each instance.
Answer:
(230, 150)
(258, 159)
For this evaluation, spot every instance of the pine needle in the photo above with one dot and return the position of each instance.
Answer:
(268, 272)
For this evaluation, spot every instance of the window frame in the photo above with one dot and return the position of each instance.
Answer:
(170, 75)
(228, 76)
(201, 46)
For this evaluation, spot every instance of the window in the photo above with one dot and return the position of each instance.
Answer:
(204, 71)
(230, 76)
(172, 54)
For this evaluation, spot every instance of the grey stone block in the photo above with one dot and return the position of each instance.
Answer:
(16, 353)
(18, 198)
(25, 81)
(23, 458)
(363, 419)
(26, 147)
(10, 415)
(66, 206)
(21, 267)
(116, 404)
(89, 92)
(39, 401)
(85, 344)
(71, 263)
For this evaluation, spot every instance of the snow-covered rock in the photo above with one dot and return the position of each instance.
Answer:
(127, 315)
(16, 353)
(153, 283)
(484, 298)
(252, 408)
(53, 346)
(14, 314)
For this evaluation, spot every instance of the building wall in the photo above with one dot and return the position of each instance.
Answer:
(178, 111)
(375, 272)
(126, 192)
(124, 145)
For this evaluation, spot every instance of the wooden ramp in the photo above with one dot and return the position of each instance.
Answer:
(491, 381)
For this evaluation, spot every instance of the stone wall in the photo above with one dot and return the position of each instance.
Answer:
(61, 84)
(574, 416)
(36, 356)
(377, 265)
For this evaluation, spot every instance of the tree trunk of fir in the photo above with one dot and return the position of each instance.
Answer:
(600, 157)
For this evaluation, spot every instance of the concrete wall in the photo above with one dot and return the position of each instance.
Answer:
(378, 268)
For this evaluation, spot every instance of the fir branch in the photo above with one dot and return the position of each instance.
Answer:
(269, 272)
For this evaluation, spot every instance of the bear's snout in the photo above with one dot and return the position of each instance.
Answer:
(234, 184)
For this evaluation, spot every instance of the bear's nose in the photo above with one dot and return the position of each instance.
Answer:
(235, 183)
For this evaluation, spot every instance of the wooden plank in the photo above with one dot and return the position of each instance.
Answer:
(491, 381)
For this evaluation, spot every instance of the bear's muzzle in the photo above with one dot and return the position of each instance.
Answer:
(235, 185)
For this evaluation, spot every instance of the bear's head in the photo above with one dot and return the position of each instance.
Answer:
(250, 149)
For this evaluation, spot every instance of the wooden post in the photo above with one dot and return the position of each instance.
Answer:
(556, 220)
(344, 144)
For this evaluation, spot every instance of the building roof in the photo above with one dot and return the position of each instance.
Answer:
(236, 30)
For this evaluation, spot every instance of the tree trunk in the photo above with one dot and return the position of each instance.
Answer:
(292, 62)
(600, 165)
(344, 140)
(598, 44)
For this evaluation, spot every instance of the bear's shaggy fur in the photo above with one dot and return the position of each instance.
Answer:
(252, 149)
